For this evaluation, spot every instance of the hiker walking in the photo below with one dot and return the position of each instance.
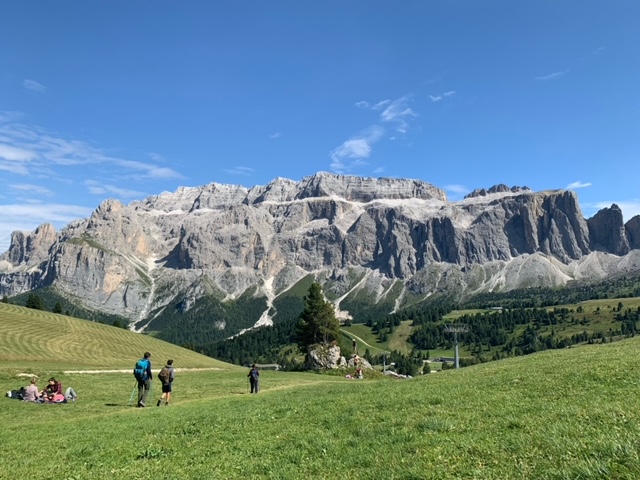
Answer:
(355, 346)
(254, 378)
(166, 376)
(142, 372)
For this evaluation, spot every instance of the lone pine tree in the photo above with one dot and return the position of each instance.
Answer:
(317, 322)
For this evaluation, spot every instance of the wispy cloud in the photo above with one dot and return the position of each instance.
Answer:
(552, 76)
(437, 98)
(29, 188)
(34, 86)
(28, 149)
(27, 217)
(395, 111)
(99, 188)
(378, 170)
(598, 50)
(275, 135)
(435, 79)
(16, 154)
(577, 184)
(239, 170)
(398, 112)
(457, 191)
(353, 152)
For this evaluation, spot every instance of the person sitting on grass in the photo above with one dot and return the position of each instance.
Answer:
(53, 387)
(31, 392)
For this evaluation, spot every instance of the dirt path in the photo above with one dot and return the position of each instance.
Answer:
(129, 370)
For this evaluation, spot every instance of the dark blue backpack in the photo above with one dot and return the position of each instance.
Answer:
(140, 370)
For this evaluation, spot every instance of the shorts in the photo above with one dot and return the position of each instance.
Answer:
(166, 388)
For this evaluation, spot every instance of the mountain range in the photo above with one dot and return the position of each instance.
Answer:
(369, 241)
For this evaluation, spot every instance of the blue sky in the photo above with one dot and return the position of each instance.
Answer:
(122, 99)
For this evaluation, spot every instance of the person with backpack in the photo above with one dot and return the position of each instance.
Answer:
(142, 372)
(254, 377)
(166, 376)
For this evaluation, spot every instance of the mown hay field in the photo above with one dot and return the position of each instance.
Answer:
(572, 413)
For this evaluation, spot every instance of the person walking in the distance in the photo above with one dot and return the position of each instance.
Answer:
(142, 372)
(254, 378)
(166, 376)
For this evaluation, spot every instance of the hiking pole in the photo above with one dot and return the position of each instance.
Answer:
(133, 392)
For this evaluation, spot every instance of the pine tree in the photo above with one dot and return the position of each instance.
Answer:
(57, 308)
(317, 322)
(34, 301)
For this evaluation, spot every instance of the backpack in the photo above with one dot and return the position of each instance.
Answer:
(165, 375)
(140, 370)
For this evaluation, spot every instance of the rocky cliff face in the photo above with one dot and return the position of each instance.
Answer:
(356, 234)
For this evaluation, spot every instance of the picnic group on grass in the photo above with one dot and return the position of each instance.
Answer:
(51, 393)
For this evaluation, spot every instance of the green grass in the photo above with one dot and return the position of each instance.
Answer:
(31, 339)
(572, 413)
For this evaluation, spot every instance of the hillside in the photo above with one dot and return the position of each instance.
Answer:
(569, 413)
(33, 338)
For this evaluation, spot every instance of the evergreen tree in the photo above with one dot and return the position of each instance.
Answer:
(57, 308)
(5, 299)
(317, 322)
(34, 301)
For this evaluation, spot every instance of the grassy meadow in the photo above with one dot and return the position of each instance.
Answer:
(561, 414)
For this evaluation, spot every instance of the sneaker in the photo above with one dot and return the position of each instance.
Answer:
(159, 402)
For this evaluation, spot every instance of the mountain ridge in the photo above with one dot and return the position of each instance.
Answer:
(353, 234)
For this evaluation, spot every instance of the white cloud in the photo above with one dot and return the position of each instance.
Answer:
(16, 154)
(380, 104)
(42, 150)
(275, 135)
(28, 188)
(239, 170)
(457, 191)
(392, 111)
(435, 79)
(577, 184)
(398, 112)
(8, 116)
(352, 152)
(378, 170)
(99, 188)
(437, 98)
(28, 217)
(598, 50)
(34, 86)
(552, 76)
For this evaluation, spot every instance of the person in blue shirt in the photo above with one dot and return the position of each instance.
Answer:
(144, 381)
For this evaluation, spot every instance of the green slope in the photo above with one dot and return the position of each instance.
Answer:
(38, 339)
(571, 413)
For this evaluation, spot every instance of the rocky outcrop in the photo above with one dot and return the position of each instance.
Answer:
(632, 229)
(500, 188)
(323, 357)
(607, 231)
(26, 247)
